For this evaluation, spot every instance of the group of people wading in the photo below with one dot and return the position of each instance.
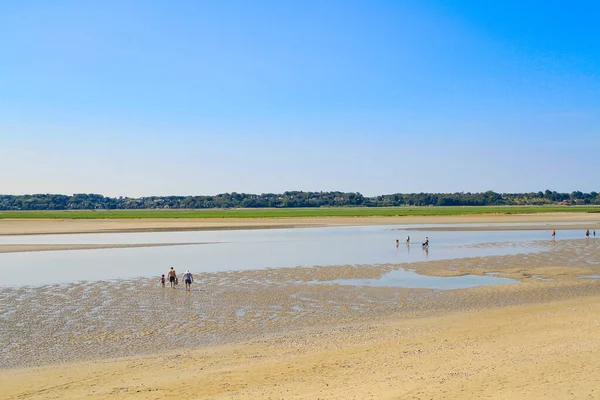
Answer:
(587, 233)
(188, 278)
(425, 244)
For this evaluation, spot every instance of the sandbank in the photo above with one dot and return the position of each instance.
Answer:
(57, 226)
(23, 248)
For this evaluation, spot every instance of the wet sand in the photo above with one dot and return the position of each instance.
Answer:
(547, 227)
(93, 320)
(22, 248)
(536, 351)
(51, 226)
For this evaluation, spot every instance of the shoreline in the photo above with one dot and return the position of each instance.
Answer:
(49, 226)
(135, 316)
(26, 248)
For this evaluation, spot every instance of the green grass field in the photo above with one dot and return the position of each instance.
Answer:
(292, 212)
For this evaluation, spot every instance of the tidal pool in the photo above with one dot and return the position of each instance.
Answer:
(410, 279)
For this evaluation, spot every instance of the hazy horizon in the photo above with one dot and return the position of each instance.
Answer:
(199, 98)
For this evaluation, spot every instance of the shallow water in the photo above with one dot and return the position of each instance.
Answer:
(247, 250)
(410, 279)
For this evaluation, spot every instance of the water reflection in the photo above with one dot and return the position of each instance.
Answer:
(244, 250)
(410, 279)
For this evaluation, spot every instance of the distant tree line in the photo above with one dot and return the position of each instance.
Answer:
(290, 200)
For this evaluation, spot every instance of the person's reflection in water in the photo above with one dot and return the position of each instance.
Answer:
(426, 251)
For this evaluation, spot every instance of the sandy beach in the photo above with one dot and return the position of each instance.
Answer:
(536, 351)
(316, 200)
(274, 333)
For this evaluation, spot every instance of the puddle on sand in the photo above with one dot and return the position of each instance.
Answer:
(240, 312)
(410, 279)
(540, 278)
(590, 276)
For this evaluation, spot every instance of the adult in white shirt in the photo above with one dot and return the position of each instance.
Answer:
(188, 278)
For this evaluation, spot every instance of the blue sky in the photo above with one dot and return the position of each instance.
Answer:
(200, 97)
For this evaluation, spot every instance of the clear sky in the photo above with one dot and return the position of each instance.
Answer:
(201, 97)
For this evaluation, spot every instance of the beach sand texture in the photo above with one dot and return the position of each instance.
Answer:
(274, 334)
(537, 351)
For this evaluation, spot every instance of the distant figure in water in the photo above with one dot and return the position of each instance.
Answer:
(594, 234)
(397, 243)
(407, 240)
(162, 280)
(426, 242)
(553, 233)
(587, 233)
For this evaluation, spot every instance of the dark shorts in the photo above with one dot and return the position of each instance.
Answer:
(171, 279)
(188, 281)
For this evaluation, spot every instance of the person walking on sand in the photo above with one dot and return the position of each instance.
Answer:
(172, 276)
(162, 280)
(188, 278)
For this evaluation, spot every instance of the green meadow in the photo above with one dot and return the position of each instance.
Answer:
(294, 212)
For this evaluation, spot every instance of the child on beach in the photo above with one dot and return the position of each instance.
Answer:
(162, 280)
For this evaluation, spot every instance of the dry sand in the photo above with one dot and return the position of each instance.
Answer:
(47, 226)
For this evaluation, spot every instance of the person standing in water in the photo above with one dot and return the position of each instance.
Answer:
(172, 276)
(397, 242)
(587, 233)
(553, 233)
(408, 240)
(188, 278)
